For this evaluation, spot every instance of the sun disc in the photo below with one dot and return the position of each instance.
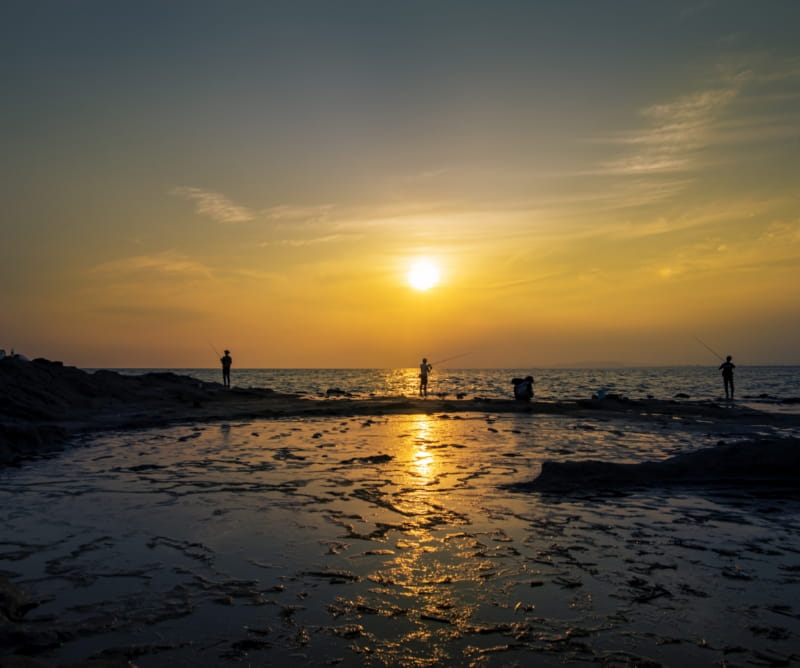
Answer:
(423, 275)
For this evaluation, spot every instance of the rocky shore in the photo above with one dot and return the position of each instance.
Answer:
(767, 462)
(443, 468)
(44, 403)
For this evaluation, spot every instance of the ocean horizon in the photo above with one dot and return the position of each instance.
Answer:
(765, 385)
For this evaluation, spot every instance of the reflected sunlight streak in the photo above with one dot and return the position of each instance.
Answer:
(424, 463)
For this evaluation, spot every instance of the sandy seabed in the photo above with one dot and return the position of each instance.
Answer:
(395, 541)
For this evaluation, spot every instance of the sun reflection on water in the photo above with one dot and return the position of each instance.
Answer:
(425, 432)
(436, 572)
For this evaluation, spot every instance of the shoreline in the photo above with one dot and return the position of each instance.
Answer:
(44, 404)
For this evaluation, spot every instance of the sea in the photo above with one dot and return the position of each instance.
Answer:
(766, 386)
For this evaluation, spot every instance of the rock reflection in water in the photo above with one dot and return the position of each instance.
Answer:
(390, 541)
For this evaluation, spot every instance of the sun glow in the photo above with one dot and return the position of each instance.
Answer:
(423, 274)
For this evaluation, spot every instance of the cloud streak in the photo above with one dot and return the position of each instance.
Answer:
(164, 263)
(677, 131)
(298, 243)
(214, 205)
(289, 213)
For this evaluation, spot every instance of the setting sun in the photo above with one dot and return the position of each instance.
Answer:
(423, 275)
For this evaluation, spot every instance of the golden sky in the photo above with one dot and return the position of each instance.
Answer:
(594, 181)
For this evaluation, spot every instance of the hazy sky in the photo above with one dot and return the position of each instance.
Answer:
(596, 180)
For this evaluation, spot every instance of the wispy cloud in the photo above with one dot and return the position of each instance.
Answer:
(214, 205)
(334, 223)
(740, 106)
(164, 263)
(676, 131)
(328, 239)
(709, 215)
(291, 212)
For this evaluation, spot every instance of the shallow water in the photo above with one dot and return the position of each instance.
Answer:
(391, 541)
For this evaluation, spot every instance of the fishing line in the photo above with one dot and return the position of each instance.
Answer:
(722, 359)
(447, 359)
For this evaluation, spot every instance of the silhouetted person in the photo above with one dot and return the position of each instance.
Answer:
(523, 388)
(727, 368)
(424, 370)
(226, 368)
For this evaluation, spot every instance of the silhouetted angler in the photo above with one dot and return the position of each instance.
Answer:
(727, 368)
(424, 370)
(226, 368)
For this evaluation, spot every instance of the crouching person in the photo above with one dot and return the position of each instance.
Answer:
(523, 388)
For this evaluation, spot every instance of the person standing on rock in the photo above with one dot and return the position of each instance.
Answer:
(424, 370)
(226, 361)
(727, 368)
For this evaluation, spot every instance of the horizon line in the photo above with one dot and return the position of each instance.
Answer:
(483, 368)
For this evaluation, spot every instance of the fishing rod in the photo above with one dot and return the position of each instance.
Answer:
(711, 350)
(447, 359)
(216, 352)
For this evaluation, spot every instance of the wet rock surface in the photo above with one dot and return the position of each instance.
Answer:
(393, 541)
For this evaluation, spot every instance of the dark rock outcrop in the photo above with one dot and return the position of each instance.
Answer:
(40, 400)
(747, 463)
